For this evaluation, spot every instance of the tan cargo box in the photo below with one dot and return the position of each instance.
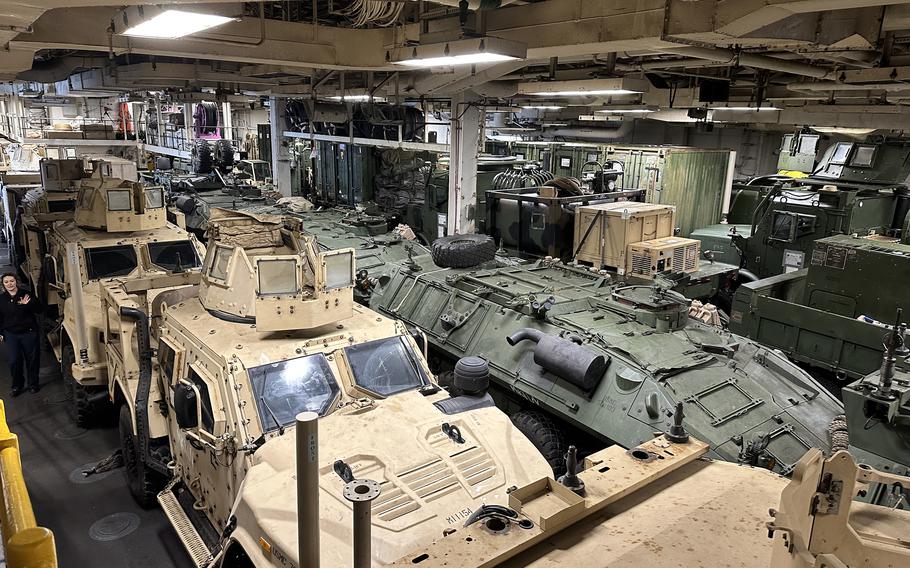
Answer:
(676, 254)
(605, 231)
(63, 134)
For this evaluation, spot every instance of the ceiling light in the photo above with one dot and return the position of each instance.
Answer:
(460, 52)
(595, 118)
(543, 107)
(356, 98)
(501, 109)
(638, 109)
(172, 24)
(585, 87)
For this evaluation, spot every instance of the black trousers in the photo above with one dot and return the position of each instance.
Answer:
(23, 351)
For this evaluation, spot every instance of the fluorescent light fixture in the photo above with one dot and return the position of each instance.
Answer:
(843, 130)
(459, 52)
(615, 86)
(543, 107)
(554, 124)
(627, 109)
(172, 24)
(356, 98)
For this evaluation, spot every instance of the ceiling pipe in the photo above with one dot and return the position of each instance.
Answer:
(591, 134)
(835, 86)
(756, 61)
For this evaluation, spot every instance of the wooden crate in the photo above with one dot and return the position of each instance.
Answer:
(603, 232)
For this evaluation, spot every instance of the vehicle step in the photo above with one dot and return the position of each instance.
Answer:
(189, 536)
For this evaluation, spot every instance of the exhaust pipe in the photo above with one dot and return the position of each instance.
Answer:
(362, 492)
(307, 430)
(574, 363)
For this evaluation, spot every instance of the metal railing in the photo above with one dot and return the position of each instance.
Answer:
(25, 544)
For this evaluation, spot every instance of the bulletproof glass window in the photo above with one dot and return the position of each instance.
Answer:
(60, 205)
(208, 417)
(787, 226)
(339, 270)
(220, 258)
(863, 156)
(262, 170)
(108, 262)
(85, 198)
(277, 277)
(119, 200)
(246, 170)
(166, 358)
(154, 198)
(786, 144)
(283, 390)
(808, 144)
(385, 367)
(841, 152)
(173, 256)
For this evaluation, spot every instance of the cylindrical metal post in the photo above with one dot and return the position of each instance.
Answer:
(361, 493)
(308, 489)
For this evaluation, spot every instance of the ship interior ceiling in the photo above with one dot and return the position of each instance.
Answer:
(543, 270)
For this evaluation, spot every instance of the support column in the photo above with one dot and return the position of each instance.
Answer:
(281, 158)
(465, 137)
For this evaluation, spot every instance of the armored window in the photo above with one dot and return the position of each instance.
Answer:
(60, 205)
(208, 417)
(261, 170)
(85, 198)
(154, 198)
(170, 358)
(841, 152)
(277, 277)
(119, 200)
(786, 145)
(787, 226)
(339, 270)
(220, 258)
(173, 256)
(808, 144)
(385, 367)
(108, 262)
(283, 390)
(863, 156)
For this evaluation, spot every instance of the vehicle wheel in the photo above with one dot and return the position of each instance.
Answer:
(80, 410)
(202, 157)
(463, 251)
(545, 435)
(144, 483)
(86, 408)
(225, 155)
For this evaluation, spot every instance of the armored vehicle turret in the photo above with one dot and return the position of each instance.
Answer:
(118, 231)
(273, 332)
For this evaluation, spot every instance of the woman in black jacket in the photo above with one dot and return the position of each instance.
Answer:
(19, 332)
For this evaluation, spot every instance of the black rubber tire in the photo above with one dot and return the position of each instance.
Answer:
(203, 161)
(224, 152)
(79, 408)
(144, 484)
(463, 251)
(545, 435)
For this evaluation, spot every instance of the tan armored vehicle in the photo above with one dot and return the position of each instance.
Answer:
(118, 231)
(274, 332)
(55, 200)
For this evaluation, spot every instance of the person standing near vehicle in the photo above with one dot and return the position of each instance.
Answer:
(19, 333)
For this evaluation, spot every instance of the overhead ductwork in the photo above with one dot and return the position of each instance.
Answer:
(591, 134)
(755, 61)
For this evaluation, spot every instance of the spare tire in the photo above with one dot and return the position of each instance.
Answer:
(202, 158)
(463, 251)
(224, 150)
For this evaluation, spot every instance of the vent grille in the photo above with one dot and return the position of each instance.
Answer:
(474, 464)
(431, 480)
(641, 262)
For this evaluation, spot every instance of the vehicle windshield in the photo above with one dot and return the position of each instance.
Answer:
(108, 262)
(285, 389)
(174, 255)
(261, 169)
(385, 367)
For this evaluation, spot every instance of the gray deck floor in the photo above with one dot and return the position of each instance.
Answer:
(95, 520)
